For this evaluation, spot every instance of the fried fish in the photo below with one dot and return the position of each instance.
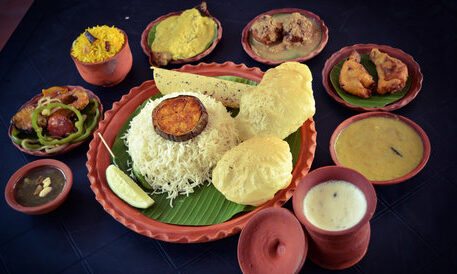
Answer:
(392, 73)
(354, 78)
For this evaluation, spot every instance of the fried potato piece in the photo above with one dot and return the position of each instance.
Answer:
(392, 73)
(267, 30)
(354, 78)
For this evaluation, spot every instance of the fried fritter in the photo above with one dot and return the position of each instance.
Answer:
(297, 29)
(392, 73)
(267, 30)
(354, 79)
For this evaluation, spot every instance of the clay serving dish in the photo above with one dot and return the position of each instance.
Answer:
(99, 159)
(336, 249)
(48, 207)
(416, 127)
(110, 72)
(413, 70)
(247, 32)
(69, 147)
(147, 49)
(273, 241)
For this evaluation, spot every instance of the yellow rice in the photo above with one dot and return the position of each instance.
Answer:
(84, 51)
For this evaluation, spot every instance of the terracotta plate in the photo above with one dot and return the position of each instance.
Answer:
(413, 70)
(147, 49)
(68, 148)
(99, 159)
(247, 30)
(416, 127)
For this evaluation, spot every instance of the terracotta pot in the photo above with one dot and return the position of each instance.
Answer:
(414, 126)
(273, 241)
(70, 147)
(336, 249)
(247, 32)
(109, 72)
(48, 207)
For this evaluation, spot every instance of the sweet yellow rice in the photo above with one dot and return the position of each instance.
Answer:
(108, 43)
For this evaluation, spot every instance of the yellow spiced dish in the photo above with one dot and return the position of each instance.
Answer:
(184, 36)
(380, 148)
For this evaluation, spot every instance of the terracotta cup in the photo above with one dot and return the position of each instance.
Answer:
(109, 72)
(336, 249)
(48, 207)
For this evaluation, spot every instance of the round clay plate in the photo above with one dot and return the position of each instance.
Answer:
(417, 128)
(147, 49)
(67, 148)
(413, 70)
(99, 159)
(247, 32)
(273, 241)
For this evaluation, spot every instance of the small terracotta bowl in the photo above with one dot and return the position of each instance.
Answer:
(413, 70)
(70, 147)
(147, 49)
(109, 72)
(416, 127)
(336, 249)
(273, 241)
(48, 207)
(247, 32)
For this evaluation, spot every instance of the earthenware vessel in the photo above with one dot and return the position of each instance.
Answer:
(48, 207)
(336, 249)
(247, 32)
(273, 241)
(109, 72)
(416, 127)
(413, 70)
(98, 160)
(70, 147)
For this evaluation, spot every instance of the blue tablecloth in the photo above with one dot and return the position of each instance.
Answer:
(413, 228)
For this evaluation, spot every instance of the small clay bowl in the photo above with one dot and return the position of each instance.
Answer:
(247, 32)
(48, 207)
(416, 127)
(67, 148)
(110, 72)
(336, 249)
(413, 70)
(147, 49)
(273, 241)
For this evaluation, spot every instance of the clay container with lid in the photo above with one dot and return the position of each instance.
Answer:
(336, 249)
(110, 72)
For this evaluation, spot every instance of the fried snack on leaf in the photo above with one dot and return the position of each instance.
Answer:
(392, 73)
(354, 78)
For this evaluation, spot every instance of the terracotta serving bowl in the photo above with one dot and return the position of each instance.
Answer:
(98, 160)
(417, 128)
(413, 70)
(48, 207)
(273, 241)
(69, 147)
(336, 249)
(147, 49)
(247, 31)
(110, 72)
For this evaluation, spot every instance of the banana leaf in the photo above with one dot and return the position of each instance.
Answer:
(375, 101)
(206, 206)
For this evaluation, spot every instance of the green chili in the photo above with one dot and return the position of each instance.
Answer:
(92, 125)
(46, 140)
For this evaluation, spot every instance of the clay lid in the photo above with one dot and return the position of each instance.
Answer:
(413, 70)
(416, 127)
(273, 241)
(147, 49)
(48, 207)
(247, 30)
(69, 147)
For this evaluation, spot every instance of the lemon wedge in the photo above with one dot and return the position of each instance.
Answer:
(126, 189)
